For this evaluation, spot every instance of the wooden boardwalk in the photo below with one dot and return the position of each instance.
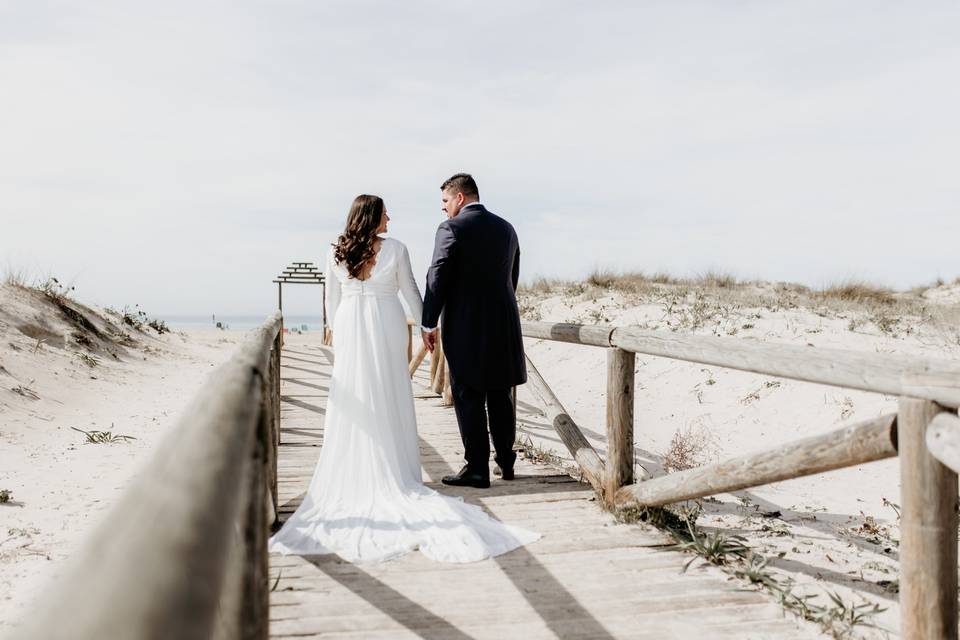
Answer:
(588, 577)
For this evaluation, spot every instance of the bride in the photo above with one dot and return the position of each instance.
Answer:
(367, 501)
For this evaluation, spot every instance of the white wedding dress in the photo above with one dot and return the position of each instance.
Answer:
(366, 501)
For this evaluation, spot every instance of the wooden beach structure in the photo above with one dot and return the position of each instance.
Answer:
(183, 553)
(301, 273)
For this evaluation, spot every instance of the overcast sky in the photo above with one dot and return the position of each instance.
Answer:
(179, 154)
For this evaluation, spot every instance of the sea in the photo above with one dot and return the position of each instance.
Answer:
(242, 323)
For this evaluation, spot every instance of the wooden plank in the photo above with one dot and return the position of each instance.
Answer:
(736, 616)
(863, 442)
(928, 531)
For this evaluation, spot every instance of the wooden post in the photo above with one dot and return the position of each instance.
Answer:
(276, 384)
(417, 359)
(434, 362)
(280, 308)
(618, 470)
(447, 389)
(323, 303)
(928, 530)
(439, 379)
(409, 342)
(271, 400)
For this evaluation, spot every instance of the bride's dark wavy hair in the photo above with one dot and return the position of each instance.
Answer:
(355, 245)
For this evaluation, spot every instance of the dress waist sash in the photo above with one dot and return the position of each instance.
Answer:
(378, 292)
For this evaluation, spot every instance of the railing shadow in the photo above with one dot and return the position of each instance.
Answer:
(399, 607)
(834, 577)
(316, 372)
(303, 383)
(287, 356)
(539, 587)
(303, 404)
(545, 593)
(308, 433)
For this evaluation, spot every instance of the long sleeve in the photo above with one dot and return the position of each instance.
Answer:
(439, 275)
(333, 289)
(516, 270)
(408, 285)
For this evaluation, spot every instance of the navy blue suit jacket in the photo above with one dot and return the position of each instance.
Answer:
(473, 281)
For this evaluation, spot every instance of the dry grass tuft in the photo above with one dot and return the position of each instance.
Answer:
(626, 282)
(541, 286)
(103, 437)
(640, 282)
(15, 277)
(602, 278)
(861, 292)
(718, 279)
(688, 449)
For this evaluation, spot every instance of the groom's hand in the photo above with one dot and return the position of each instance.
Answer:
(429, 339)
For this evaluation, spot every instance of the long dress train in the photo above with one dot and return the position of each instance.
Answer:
(367, 501)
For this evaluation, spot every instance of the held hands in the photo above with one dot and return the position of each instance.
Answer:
(429, 339)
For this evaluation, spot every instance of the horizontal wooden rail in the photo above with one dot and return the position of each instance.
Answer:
(183, 552)
(585, 334)
(867, 441)
(901, 375)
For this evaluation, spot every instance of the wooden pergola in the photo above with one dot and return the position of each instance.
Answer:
(302, 273)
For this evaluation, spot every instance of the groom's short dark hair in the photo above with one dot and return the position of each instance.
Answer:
(461, 183)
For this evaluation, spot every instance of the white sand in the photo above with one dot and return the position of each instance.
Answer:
(61, 486)
(822, 531)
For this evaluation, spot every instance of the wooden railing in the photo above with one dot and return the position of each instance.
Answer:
(924, 432)
(439, 377)
(183, 553)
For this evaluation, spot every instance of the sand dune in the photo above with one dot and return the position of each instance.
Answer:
(65, 366)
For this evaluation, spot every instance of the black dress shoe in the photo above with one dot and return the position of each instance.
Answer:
(467, 478)
(506, 474)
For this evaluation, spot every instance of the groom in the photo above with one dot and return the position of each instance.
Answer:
(473, 281)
